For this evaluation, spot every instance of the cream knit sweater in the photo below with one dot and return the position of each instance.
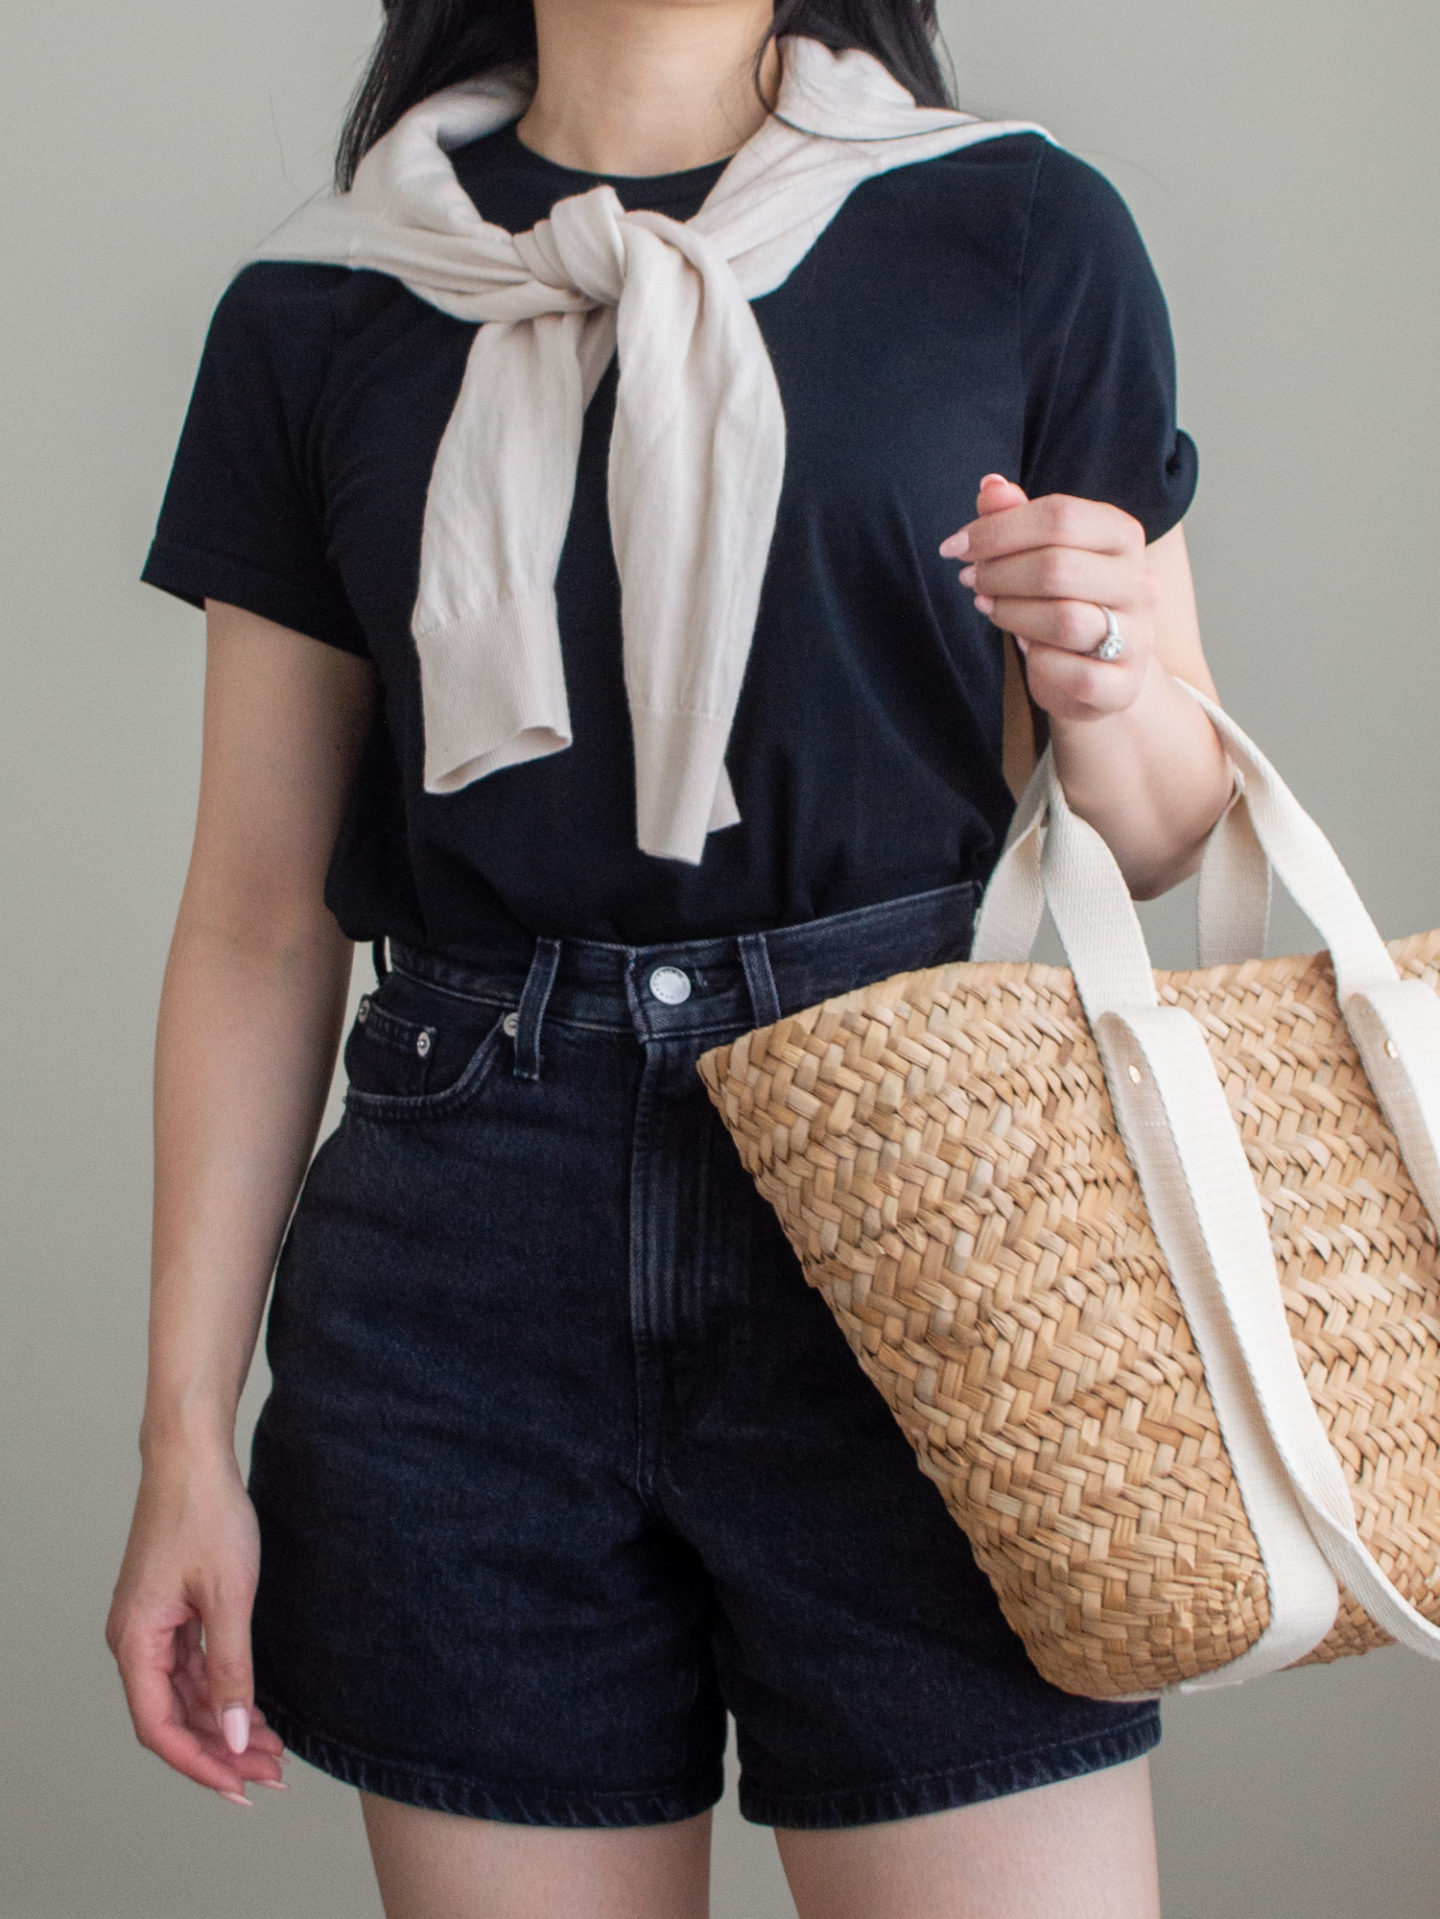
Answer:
(697, 450)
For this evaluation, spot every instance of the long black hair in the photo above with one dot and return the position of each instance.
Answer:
(428, 44)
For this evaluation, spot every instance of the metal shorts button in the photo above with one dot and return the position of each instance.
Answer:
(510, 1022)
(668, 983)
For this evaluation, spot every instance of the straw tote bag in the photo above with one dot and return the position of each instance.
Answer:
(1145, 1264)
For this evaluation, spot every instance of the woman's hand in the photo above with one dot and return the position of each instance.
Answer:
(1137, 757)
(1042, 570)
(191, 1566)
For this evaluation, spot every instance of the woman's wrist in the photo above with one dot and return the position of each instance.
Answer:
(1152, 778)
(187, 1430)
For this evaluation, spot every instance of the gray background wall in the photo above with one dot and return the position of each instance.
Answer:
(1281, 159)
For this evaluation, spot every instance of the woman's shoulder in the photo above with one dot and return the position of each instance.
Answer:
(297, 309)
(276, 293)
(276, 335)
(1030, 173)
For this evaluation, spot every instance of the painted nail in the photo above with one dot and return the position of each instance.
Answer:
(957, 546)
(274, 1785)
(984, 603)
(235, 1722)
(968, 575)
(992, 479)
(236, 1799)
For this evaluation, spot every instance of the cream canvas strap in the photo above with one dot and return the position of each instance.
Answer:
(1181, 1138)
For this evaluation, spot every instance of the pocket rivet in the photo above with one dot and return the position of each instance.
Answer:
(422, 1044)
(362, 1012)
(1392, 1049)
(510, 1023)
(1135, 1073)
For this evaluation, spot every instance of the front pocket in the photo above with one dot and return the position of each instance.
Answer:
(413, 1051)
(394, 1053)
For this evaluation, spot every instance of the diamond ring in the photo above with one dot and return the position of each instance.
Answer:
(1113, 644)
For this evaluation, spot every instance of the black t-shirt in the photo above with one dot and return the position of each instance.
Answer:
(993, 309)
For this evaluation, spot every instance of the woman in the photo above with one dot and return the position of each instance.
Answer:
(562, 1459)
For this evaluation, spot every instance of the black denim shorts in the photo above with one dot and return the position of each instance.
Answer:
(563, 1458)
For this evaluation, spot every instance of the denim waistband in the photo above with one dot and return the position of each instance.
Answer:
(670, 989)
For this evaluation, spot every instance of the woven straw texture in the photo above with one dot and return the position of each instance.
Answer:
(942, 1154)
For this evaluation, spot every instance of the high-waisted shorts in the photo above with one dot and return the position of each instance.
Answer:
(563, 1459)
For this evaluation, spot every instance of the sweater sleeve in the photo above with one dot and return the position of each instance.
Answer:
(242, 518)
(1097, 354)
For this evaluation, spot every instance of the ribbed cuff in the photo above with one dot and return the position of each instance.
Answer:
(681, 787)
(492, 690)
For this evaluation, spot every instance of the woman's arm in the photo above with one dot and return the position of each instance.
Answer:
(250, 1016)
(1136, 756)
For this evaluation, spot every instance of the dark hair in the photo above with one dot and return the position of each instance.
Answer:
(428, 44)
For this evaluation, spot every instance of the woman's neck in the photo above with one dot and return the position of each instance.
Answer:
(632, 86)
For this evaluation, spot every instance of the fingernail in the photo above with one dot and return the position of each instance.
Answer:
(273, 1785)
(968, 575)
(957, 546)
(235, 1723)
(236, 1799)
(984, 603)
(992, 479)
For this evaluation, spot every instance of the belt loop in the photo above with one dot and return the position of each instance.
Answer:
(377, 955)
(533, 998)
(759, 977)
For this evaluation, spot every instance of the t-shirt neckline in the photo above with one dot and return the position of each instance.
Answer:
(506, 146)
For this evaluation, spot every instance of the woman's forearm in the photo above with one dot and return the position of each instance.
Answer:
(245, 1047)
(1151, 779)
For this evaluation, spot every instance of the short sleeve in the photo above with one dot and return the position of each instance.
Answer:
(242, 515)
(1097, 355)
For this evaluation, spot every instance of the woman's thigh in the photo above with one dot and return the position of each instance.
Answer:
(1083, 1848)
(437, 1865)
